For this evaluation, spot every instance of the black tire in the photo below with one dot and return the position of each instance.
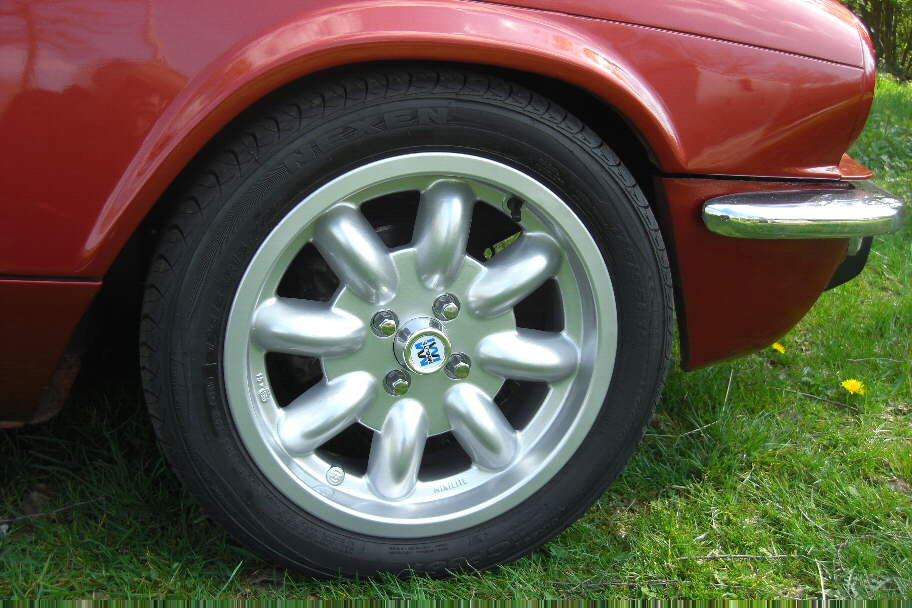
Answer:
(270, 159)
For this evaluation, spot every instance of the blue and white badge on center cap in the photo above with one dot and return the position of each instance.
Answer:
(426, 353)
(421, 346)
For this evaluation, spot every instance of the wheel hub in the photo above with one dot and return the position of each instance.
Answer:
(421, 345)
(414, 304)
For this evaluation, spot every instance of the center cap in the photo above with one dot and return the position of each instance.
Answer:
(421, 345)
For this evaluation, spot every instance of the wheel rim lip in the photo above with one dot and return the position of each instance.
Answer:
(598, 344)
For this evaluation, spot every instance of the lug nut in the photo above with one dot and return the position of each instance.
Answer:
(384, 323)
(397, 383)
(458, 367)
(446, 307)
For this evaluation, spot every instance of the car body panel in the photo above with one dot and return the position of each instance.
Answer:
(149, 86)
(824, 29)
(736, 296)
(104, 102)
(37, 319)
(853, 170)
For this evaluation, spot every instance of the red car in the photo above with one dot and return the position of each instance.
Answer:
(409, 266)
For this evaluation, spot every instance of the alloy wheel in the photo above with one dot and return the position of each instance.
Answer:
(419, 342)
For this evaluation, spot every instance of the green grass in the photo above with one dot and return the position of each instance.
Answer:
(769, 472)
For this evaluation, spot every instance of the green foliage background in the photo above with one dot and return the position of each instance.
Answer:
(890, 25)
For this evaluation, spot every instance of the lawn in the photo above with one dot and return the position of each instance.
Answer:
(815, 493)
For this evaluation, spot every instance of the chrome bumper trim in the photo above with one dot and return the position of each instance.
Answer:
(865, 210)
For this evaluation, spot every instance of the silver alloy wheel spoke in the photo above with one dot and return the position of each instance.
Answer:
(480, 427)
(396, 450)
(324, 411)
(356, 254)
(514, 273)
(442, 231)
(303, 327)
(529, 354)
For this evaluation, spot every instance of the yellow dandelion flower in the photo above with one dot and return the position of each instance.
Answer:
(778, 347)
(856, 387)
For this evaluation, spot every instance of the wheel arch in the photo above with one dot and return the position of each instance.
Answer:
(564, 64)
(125, 232)
(621, 134)
(123, 276)
(119, 301)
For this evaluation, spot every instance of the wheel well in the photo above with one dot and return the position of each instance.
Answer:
(620, 135)
(114, 313)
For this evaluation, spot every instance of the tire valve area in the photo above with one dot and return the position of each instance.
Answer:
(515, 204)
(335, 476)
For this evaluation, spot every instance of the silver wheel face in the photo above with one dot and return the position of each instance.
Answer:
(419, 344)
